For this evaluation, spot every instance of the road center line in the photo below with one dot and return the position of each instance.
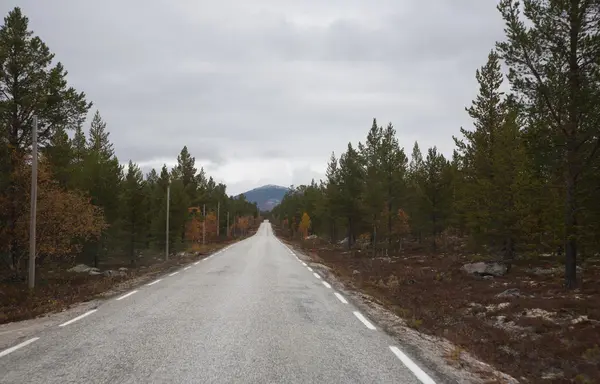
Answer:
(340, 298)
(154, 282)
(422, 376)
(12, 349)
(317, 275)
(326, 284)
(173, 274)
(366, 322)
(186, 268)
(127, 295)
(78, 318)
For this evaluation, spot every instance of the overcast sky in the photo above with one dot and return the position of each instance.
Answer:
(262, 91)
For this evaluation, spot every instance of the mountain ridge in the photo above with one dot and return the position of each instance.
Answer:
(267, 196)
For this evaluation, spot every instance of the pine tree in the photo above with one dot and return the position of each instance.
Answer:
(393, 168)
(554, 62)
(352, 176)
(159, 199)
(414, 179)
(103, 176)
(332, 195)
(80, 144)
(133, 209)
(59, 156)
(31, 85)
(99, 142)
(186, 171)
(435, 199)
(476, 151)
(374, 195)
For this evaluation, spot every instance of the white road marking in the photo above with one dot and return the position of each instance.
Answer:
(422, 376)
(186, 268)
(340, 298)
(174, 273)
(12, 349)
(196, 263)
(303, 263)
(127, 295)
(366, 322)
(317, 275)
(326, 284)
(154, 282)
(310, 269)
(78, 318)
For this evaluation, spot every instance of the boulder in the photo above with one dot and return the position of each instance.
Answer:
(111, 273)
(485, 268)
(80, 268)
(511, 292)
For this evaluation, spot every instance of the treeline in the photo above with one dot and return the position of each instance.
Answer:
(523, 181)
(89, 205)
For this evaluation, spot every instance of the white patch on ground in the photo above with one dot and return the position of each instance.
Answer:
(496, 307)
(537, 312)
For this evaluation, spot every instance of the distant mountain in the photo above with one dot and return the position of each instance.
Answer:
(267, 196)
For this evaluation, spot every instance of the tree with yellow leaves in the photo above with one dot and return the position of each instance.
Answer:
(304, 225)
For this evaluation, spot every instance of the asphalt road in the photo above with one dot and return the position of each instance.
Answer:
(252, 313)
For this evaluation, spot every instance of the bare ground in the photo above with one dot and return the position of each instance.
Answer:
(538, 334)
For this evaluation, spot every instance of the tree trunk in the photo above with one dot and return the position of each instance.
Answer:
(571, 170)
(12, 215)
(132, 241)
(434, 232)
(570, 231)
(389, 222)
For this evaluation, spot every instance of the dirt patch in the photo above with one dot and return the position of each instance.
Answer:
(524, 323)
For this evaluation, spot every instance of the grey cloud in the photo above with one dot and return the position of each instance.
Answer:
(272, 79)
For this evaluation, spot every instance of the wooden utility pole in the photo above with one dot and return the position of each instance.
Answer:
(204, 224)
(228, 224)
(218, 218)
(32, 220)
(167, 227)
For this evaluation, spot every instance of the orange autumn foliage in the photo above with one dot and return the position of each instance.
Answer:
(400, 224)
(211, 226)
(196, 229)
(64, 218)
(193, 230)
